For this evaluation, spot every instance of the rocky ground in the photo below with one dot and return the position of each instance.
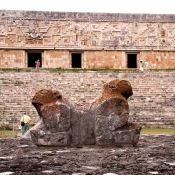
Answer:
(154, 154)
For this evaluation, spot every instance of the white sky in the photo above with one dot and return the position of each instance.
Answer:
(109, 6)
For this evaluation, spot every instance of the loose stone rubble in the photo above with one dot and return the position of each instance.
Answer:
(101, 122)
(154, 154)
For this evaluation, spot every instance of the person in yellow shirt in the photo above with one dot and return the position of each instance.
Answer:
(26, 119)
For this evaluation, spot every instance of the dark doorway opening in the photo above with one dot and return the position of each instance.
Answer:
(32, 57)
(76, 60)
(132, 60)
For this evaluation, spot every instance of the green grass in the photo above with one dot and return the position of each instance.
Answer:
(16, 69)
(157, 131)
(7, 133)
(59, 69)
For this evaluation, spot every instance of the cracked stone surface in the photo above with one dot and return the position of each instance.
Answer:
(154, 154)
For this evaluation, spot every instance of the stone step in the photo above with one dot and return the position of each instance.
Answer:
(18, 88)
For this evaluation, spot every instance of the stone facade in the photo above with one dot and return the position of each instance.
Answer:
(100, 40)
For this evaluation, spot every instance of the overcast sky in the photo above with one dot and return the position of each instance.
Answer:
(109, 6)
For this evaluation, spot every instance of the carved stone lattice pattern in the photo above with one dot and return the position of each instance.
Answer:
(89, 30)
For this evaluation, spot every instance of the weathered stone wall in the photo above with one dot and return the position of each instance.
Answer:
(12, 58)
(105, 59)
(56, 59)
(159, 60)
(98, 36)
(90, 59)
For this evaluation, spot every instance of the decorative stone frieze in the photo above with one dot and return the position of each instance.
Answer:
(87, 30)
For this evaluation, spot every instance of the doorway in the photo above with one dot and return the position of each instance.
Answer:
(32, 57)
(76, 60)
(132, 60)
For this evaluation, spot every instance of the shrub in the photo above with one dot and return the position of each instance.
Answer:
(5, 127)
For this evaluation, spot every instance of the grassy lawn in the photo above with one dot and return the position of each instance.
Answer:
(6, 133)
(157, 131)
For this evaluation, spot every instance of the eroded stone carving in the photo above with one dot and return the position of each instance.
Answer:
(101, 122)
(104, 34)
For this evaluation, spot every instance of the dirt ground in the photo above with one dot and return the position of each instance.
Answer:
(154, 154)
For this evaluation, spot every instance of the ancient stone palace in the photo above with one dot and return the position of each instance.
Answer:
(86, 40)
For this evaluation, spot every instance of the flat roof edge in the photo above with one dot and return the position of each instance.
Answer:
(86, 16)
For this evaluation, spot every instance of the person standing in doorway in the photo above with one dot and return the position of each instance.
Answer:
(37, 63)
(141, 66)
(26, 119)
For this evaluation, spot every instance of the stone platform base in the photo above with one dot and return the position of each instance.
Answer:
(152, 155)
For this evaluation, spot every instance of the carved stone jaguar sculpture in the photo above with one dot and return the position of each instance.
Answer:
(101, 122)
